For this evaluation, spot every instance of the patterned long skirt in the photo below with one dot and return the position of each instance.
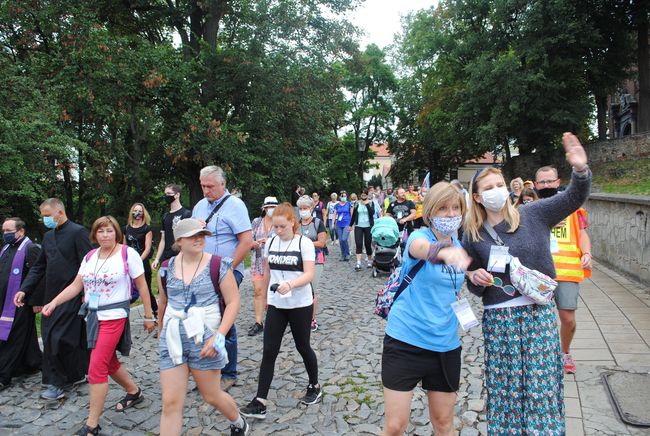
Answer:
(524, 372)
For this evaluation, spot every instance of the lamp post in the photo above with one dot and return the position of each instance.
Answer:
(361, 147)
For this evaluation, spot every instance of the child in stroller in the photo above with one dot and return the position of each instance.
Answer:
(386, 240)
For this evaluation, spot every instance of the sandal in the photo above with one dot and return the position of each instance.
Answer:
(86, 430)
(130, 400)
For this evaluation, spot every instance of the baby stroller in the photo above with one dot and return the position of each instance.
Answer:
(386, 245)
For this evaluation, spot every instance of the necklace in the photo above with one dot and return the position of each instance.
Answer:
(99, 252)
(187, 288)
(285, 251)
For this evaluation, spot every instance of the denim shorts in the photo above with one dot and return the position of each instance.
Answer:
(191, 352)
(566, 295)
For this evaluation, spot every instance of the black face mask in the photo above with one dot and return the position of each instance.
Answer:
(546, 192)
(169, 199)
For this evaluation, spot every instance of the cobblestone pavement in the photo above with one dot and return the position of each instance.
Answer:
(348, 346)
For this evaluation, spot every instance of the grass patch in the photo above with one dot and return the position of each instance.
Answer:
(623, 177)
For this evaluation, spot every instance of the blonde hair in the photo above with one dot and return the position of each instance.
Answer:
(147, 217)
(440, 194)
(477, 215)
(518, 179)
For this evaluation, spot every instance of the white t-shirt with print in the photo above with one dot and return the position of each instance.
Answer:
(112, 284)
(286, 260)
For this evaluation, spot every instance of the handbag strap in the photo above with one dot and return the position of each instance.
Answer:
(408, 278)
(493, 234)
(215, 210)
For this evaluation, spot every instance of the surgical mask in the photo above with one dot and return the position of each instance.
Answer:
(446, 225)
(170, 198)
(49, 222)
(344, 199)
(494, 199)
(305, 214)
(546, 192)
(9, 237)
(136, 215)
(269, 211)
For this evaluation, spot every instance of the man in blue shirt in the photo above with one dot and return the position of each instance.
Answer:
(227, 218)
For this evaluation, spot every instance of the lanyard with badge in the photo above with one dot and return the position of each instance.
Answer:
(499, 253)
(193, 322)
(461, 306)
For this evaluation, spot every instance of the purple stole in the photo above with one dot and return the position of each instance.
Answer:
(15, 279)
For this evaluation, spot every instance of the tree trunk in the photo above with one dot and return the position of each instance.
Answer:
(67, 187)
(643, 58)
(82, 187)
(601, 115)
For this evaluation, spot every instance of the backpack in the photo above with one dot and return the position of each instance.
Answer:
(215, 267)
(393, 288)
(125, 260)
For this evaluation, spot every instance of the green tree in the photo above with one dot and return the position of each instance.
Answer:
(370, 82)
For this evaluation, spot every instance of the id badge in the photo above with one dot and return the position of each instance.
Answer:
(555, 246)
(194, 326)
(499, 258)
(464, 313)
(340, 217)
(93, 300)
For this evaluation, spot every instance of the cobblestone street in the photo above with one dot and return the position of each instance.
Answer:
(348, 345)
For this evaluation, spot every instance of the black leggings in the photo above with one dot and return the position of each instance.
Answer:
(276, 323)
(362, 236)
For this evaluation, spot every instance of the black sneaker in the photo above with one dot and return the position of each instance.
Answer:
(255, 409)
(255, 329)
(239, 431)
(312, 396)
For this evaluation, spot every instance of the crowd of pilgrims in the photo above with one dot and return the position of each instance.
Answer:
(85, 282)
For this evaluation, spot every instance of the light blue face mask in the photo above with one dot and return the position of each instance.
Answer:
(49, 222)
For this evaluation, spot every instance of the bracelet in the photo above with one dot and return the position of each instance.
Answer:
(434, 249)
(289, 283)
(583, 170)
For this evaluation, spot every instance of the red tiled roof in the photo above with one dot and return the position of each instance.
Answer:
(487, 158)
(380, 150)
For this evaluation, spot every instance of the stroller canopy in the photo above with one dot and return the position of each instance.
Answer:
(385, 232)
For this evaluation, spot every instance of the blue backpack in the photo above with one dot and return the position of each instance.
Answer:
(394, 287)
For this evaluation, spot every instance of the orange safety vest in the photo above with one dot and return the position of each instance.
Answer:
(568, 264)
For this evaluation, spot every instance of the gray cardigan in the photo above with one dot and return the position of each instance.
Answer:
(531, 241)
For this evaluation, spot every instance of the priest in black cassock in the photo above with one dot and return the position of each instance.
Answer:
(19, 350)
(65, 353)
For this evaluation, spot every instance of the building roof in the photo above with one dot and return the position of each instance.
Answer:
(486, 159)
(380, 150)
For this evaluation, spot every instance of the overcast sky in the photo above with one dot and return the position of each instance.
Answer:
(380, 19)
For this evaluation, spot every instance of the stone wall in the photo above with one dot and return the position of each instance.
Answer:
(619, 228)
(630, 147)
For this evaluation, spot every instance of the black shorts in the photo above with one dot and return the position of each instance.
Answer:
(403, 366)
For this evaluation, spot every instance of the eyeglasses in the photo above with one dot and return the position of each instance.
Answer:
(546, 182)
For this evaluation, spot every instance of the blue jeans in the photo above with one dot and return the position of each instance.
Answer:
(230, 370)
(342, 233)
(332, 229)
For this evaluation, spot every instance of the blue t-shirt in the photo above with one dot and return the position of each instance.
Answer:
(343, 217)
(422, 315)
(225, 225)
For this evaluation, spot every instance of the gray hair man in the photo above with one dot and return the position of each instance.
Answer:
(227, 218)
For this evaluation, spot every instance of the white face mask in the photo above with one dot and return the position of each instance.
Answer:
(269, 211)
(305, 214)
(494, 199)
